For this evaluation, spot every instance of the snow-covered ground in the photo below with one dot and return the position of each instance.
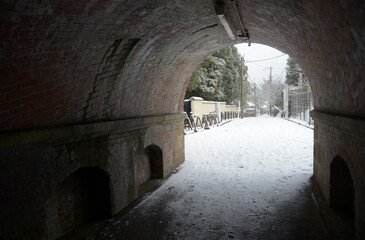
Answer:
(247, 179)
(247, 167)
(255, 153)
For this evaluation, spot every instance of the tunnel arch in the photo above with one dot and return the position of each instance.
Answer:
(71, 70)
(134, 63)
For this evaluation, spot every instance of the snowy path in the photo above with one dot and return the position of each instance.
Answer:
(248, 179)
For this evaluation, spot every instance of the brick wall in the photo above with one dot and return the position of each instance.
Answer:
(83, 196)
(95, 60)
(38, 171)
(105, 59)
(342, 137)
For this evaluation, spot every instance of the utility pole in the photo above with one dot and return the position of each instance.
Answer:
(254, 87)
(286, 100)
(243, 77)
(270, 82)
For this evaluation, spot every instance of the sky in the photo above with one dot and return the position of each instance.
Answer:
(259, 70)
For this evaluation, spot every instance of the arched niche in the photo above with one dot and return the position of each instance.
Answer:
(82, 197)
(342, 191)
(155, 157)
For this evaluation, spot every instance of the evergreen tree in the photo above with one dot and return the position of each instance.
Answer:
(218, 78)
(293, 72)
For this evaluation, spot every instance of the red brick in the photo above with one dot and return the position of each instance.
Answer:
(34, 66)
(6, 71)
(44, 86)
(17, 61)
(2, 98)
(54, 63)
(37, 19)
(4, 117)
(28, 82)
(17, 111)
(9, 17)
(6, 106)
(56, 93)
(74, 11)
(8, 36)
(25, 52)
(32, 35)
(25, 43)
(32, 98)
(28, 26)
(17, 78)
(7, 7)
(20, 93)
(16, 121)
(9, 86)
(29, 107)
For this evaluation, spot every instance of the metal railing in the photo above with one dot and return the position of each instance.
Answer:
(229, 115)
(196, 123)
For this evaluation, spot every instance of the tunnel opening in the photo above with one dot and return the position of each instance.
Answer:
(342, 191)
(155, 158)
(266, 80)
(221, 157)
(84, 196)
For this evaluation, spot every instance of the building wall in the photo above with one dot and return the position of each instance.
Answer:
(230, 108)
(200, 107)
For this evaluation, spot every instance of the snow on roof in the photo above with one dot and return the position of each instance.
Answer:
(250, 104)
(196, 98)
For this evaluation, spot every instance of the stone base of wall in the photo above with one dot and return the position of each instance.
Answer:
(36, 162)
(344, 137)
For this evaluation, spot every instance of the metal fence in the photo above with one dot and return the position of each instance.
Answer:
(195, 123)
(300, 103)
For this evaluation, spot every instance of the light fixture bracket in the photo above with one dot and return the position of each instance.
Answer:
(232, 22)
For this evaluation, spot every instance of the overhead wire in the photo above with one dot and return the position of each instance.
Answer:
(280, 74)
(266, 66)
(250, 78)
(261, 60)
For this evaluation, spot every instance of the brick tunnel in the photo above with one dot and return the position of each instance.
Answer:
(93, 84)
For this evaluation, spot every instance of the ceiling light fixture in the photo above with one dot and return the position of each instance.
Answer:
(223, 17)
(244, 31)
(232, 21)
